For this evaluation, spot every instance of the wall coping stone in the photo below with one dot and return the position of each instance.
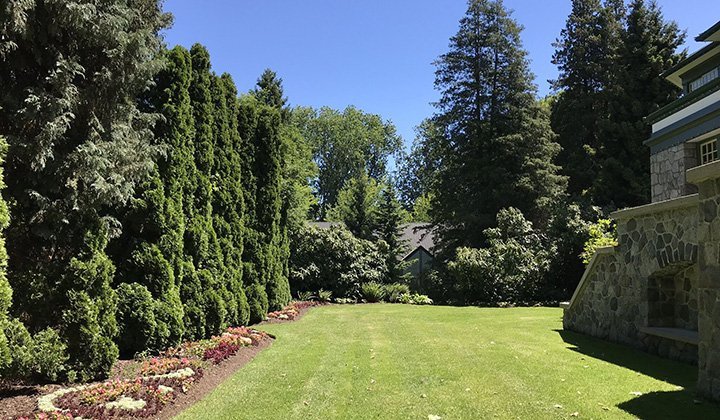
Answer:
(660, 206)
(702, 173)
(604, 250)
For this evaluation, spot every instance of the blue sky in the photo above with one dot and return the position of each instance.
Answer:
(374, 54)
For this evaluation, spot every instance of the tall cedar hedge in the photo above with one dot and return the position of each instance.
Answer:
(146, 205)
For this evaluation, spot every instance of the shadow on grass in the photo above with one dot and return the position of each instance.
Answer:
(678, 404)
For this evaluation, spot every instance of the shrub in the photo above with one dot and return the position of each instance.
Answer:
(511, 269)
(304, 296)
(415, 299)
(40, 358)
(335, 260)
(136, 318)
(602, 233)
(372, 291)
(257, 299)
(324, 295)
(393, 291)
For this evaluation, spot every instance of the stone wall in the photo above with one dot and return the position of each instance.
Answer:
(667, 172)
(707, 177)
(649, 279)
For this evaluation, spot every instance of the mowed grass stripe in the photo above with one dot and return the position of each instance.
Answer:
(408, 362)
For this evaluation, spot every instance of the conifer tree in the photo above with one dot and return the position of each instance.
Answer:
(648, 48)
(205, 249)
(390, 219)
(357, 206)
(78, 146)
(5, 289)
(227, 197)
(586, 55)
(496, 147)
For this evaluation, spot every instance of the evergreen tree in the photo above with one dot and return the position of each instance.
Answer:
(648, 48)
(357, 206)
(78, 147)
(390, 218)
(269, 91)
(227, 197)
(205, 248)
(586, 54)
(5, 289)
(497, 147)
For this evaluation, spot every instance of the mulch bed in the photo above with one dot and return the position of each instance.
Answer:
(19, 399)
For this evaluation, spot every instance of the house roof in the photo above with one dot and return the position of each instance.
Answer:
(416, 235)
(325, 225)
(711, 34)
(413, 235)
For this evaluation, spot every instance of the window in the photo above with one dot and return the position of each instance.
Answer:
(705, 79)
(708, 151)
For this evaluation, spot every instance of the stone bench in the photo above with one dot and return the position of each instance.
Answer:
(676, 334)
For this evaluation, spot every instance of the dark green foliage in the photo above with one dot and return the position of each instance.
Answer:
(136, 318)
(586, 54)
(193, 299)
(78, 147)
(334, 260)
(390, 219)
(648, 48)
(257, 301)
(496, 147)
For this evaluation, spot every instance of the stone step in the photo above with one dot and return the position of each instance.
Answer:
(677, 334)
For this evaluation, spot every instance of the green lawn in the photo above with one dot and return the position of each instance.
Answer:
(410, 362)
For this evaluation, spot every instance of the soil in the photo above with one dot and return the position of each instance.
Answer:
(18, 399)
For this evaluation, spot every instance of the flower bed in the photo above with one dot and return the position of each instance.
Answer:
(158, 381)
(292, 311)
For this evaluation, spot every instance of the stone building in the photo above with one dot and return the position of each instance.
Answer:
(659, 288)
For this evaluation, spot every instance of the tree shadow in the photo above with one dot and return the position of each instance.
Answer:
(670, 371)
(680, 404)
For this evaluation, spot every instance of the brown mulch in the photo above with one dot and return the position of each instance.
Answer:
(18, 399)
(212, 377)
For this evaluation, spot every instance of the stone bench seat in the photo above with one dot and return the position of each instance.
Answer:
(677, 334)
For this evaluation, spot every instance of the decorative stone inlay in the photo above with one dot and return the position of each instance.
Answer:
(127, 403)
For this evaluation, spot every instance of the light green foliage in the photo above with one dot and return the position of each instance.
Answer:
(422, 208)
(39, 358)
(357, 206)
(601, 234)
(415, 299)
(324, 295)
(372, 292)
(345, 144)
(511, 269)
(5, 289)
(335, 260)
(397, 357)
(394, 291)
